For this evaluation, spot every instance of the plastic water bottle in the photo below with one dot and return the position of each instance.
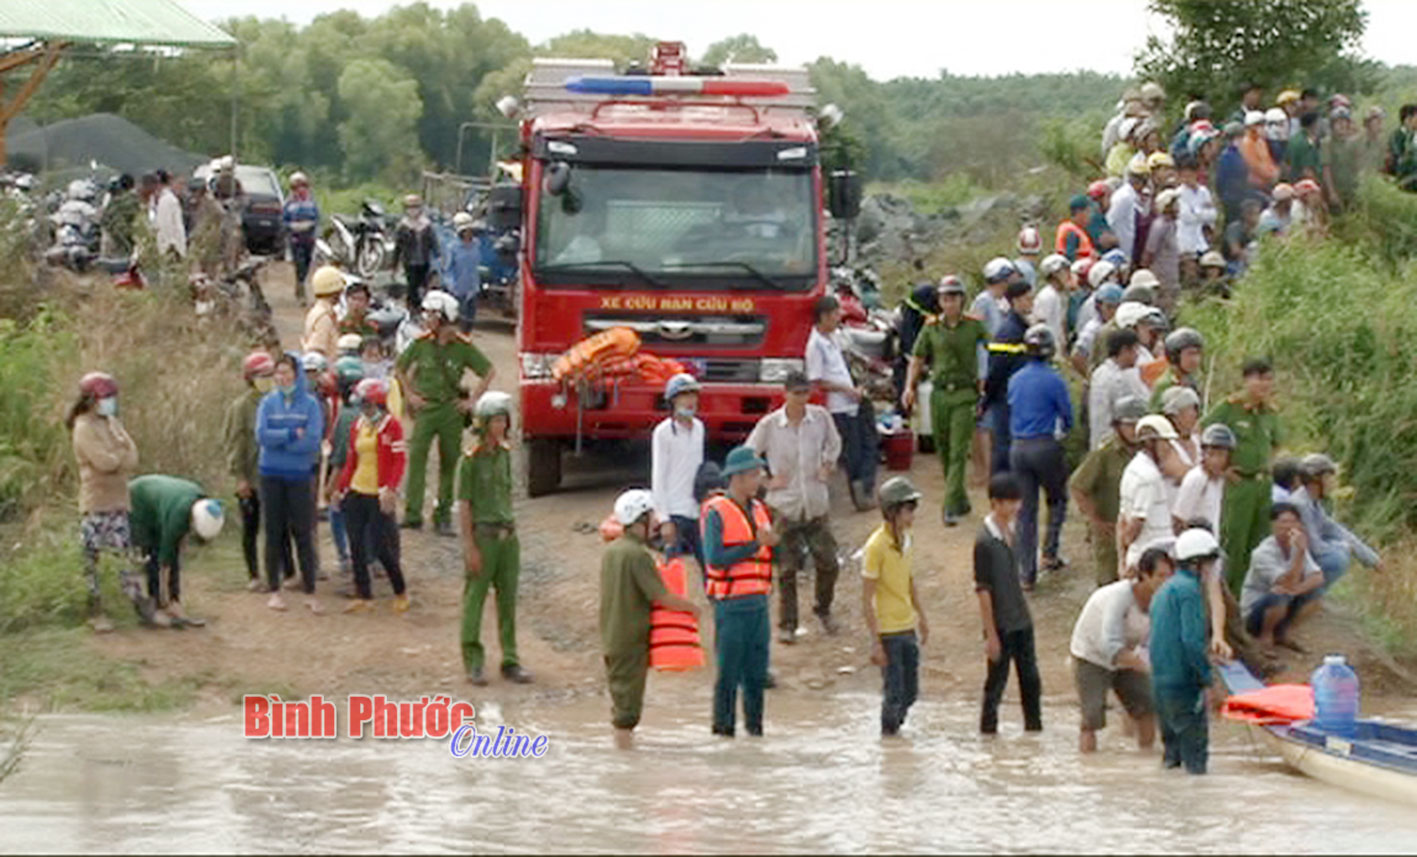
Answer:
(1335, 696)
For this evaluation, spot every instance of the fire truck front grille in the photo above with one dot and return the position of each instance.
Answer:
(730, 371)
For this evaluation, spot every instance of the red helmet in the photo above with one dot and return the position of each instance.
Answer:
(99, 385)
(257, 363)
(374, 390)
(1098, 189)
(1029, 241)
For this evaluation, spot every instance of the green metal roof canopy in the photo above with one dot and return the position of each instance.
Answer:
(143, 22)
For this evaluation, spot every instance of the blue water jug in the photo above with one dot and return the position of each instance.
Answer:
(1335, 696)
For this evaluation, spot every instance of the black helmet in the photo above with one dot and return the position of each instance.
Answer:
(1039, 341)
(1179, 340)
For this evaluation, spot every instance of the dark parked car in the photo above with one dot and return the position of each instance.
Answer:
(265, 202)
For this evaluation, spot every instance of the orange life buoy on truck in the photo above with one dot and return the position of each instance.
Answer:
(615, 342)
(674, 637)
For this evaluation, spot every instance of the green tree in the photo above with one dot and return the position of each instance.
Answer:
(380, 137)
(1217, 47)
(742, 48)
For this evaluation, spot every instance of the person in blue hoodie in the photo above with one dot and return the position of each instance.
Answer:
(289, 425)
(1180, 669)
(464, 260)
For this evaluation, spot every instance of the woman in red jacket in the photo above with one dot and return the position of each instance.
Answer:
(368, 491)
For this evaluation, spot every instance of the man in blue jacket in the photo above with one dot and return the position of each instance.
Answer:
(289, 426)
(1232, 175)
(1180, 671)
(1040, 410)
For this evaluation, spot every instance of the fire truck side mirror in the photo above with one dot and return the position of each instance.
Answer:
(558, 177)
(843, 194)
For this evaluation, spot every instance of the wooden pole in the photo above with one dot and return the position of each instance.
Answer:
(44, 61)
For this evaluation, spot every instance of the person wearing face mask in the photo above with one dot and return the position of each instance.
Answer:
(244, 458)
(367, 491)
(106, 456)
(676, 453)
(289, 427)
(430, 373)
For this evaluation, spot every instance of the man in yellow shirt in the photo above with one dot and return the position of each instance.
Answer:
(891, 605)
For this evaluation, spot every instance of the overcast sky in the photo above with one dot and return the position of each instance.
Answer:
(888, 38)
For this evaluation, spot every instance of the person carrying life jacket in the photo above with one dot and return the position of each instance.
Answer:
(738, 538)
(632, 597)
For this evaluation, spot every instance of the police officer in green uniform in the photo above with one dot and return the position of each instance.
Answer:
(1184, 347)
(950, 343)
(1244, 516)
(491, 552)
(1096, 485)
(430, 374)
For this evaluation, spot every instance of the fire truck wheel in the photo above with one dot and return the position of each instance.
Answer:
(543, 466)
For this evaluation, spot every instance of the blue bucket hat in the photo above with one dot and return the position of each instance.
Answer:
(740, 460)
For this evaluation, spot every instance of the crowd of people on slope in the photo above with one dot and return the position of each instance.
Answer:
(1206, 545)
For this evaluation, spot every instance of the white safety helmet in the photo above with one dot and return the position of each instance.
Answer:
(1155, 427)
(1029, 241)
(493, 403)
(299, 178)
(1100, 272)
(1130, 313)
(349, 342)
(462, 220)
(633, 505)
(313, 361)
(998, 269)
(1052, 264)
(441, 302)
(207, 518)
(1196, 544)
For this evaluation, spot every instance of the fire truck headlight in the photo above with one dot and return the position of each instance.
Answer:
(537, 367)
(773, 370)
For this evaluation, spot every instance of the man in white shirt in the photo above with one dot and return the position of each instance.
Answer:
(1284, 584)
(676, 453)
(849, 407)
(1111, 382)
(1050, 303)
(1144, 515)
(1126, 201)
(1202, 491)
(171, 232)
(801, 445)
(1109, 650)
(1197, 213)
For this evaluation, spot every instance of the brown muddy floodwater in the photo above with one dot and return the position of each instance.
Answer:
(822, 780)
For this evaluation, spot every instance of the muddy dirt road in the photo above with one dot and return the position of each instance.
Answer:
(248, 648)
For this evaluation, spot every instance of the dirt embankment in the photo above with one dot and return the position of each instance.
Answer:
(249, 648)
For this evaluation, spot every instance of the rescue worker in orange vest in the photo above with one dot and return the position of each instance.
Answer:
(1073, 240)
(738, 539)
(630, 586)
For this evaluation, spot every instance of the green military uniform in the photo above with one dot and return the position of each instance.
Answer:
(364, 327)
(629, 586)
(953, 355)
(485, 483)
(1099, 477)
(1244, 517)
(1170, 379)
(435, 370)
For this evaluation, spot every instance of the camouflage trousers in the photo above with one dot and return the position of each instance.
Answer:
(799, 538)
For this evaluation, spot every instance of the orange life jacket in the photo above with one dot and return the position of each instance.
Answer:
(673, 636)
(752, 576)
(1066, 228)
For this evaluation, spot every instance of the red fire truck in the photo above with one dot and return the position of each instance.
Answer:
(687, 207)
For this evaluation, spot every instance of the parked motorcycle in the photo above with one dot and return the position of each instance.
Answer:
(361, 244)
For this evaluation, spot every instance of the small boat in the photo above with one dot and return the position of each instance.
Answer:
(1379, 759)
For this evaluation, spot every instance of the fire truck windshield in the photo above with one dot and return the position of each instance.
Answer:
(701, 227)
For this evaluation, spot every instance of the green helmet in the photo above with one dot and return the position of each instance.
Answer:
(349, 370)
(897, 490)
